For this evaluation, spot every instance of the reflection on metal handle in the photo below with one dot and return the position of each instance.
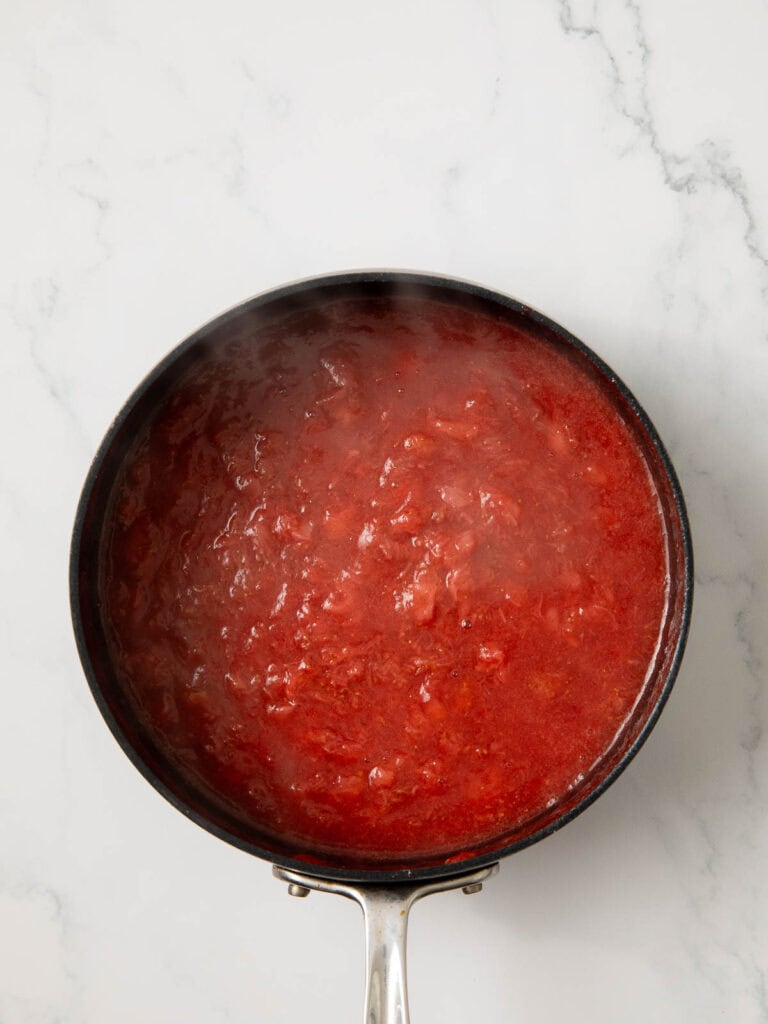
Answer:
(385, 909)
(386, 923)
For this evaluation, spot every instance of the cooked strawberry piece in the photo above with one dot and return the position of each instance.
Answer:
(289, 526)
(458, 582)
(407, 519)
(418, 443)
(558, 438)
(458, 430)
(496, 505)
(491, 655)
(455, 497)
(381, 778)
(435, 709)
(420, 595)
(348, 786)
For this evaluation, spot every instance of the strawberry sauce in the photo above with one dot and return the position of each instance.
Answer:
(387, 579)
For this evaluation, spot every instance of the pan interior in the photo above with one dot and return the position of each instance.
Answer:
(281, 321)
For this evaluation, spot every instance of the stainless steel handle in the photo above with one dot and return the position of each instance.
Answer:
(386, 931)
(386, 910)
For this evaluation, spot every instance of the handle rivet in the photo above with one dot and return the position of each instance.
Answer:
(294, 889)
(474, 887)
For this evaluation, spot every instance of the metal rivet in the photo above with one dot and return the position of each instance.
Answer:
(474, 887)
(294, 889)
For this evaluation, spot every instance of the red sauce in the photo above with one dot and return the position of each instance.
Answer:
(387, 581)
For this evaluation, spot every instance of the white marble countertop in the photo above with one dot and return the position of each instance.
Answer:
(606, 161)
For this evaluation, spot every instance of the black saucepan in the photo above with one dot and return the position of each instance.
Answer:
(384, 892)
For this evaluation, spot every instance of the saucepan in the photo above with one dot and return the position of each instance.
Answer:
(385, 890)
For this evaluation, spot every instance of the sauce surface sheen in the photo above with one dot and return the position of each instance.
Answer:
(387, 579)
